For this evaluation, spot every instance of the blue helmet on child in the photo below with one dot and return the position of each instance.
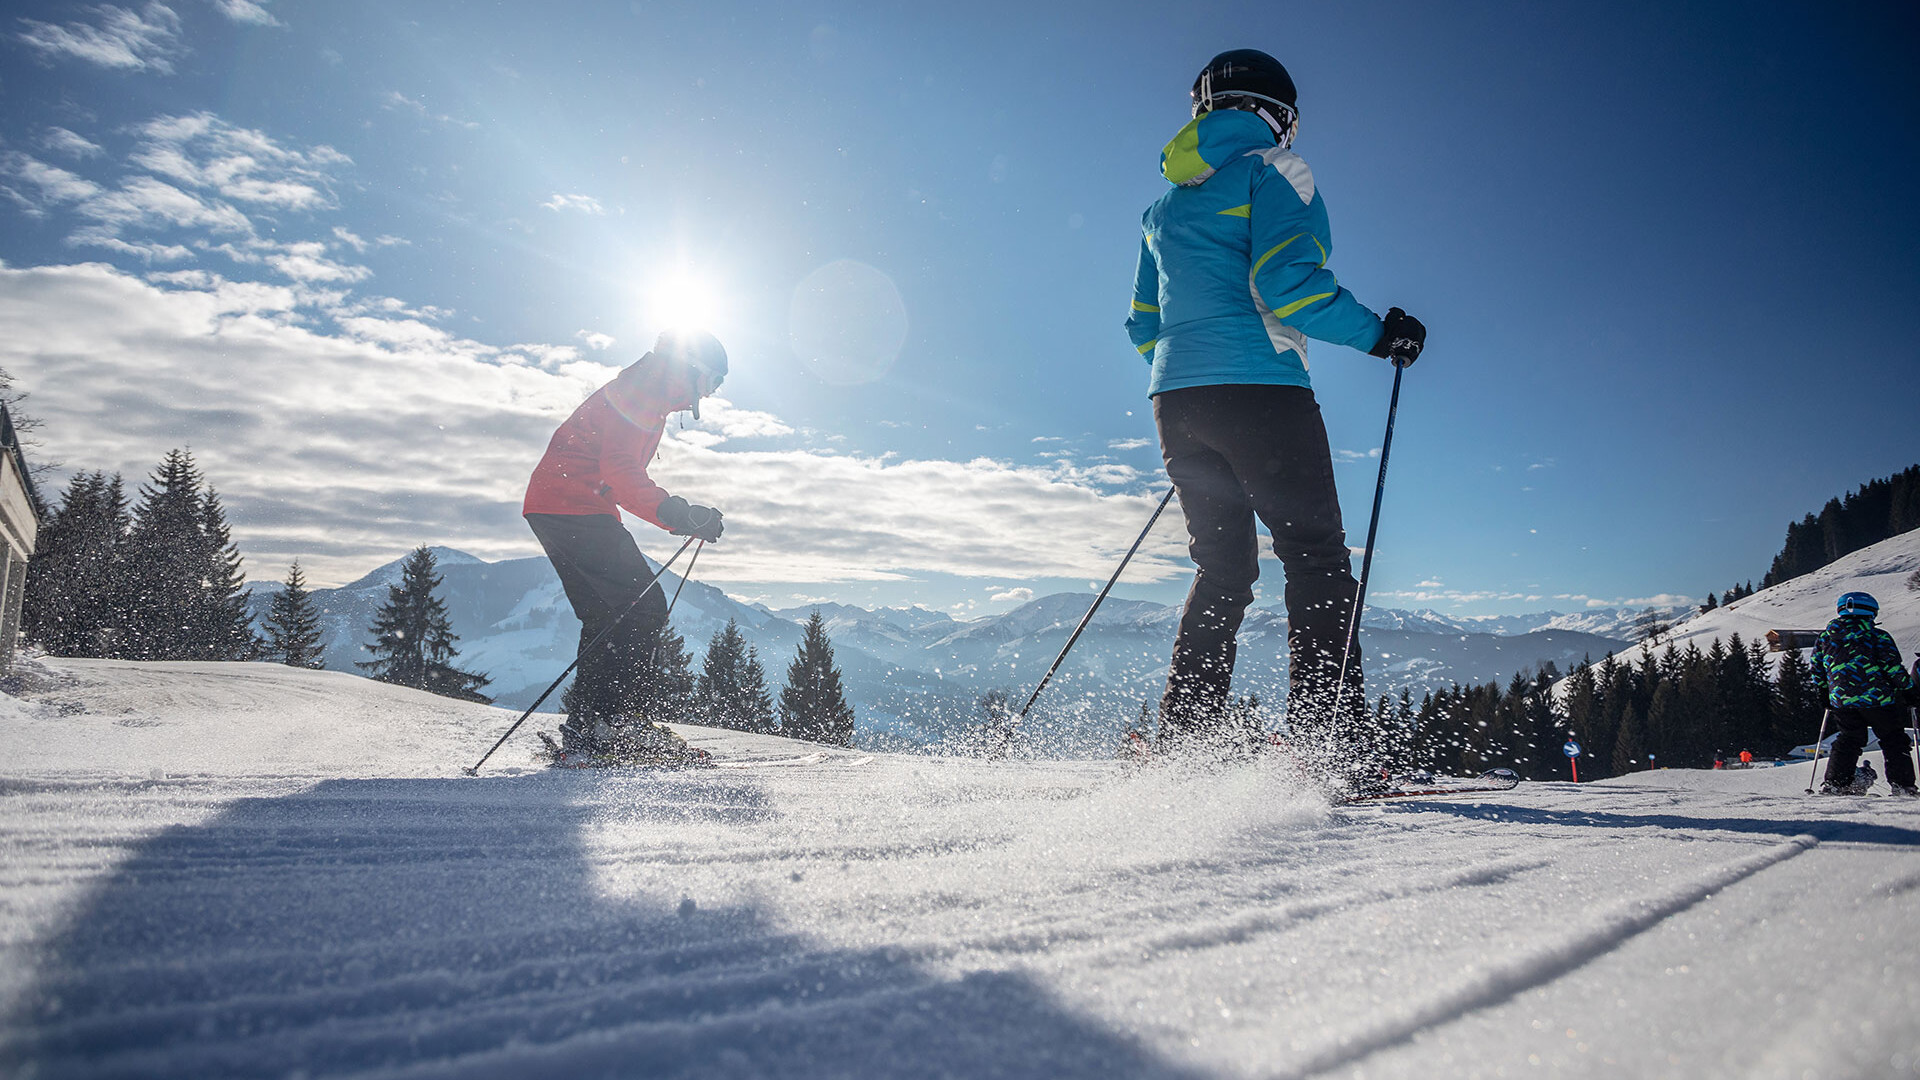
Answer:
(1858, 603)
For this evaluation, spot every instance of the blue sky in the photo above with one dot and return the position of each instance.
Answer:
(362, 257)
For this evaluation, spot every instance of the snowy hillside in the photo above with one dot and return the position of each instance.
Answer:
(230, 869)
(1807, 602)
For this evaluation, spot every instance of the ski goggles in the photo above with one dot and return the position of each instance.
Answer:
(706, 382)
(1282, 118)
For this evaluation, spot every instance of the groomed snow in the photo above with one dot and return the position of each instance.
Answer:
(217, 869)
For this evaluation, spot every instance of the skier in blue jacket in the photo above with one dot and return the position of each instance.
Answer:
(1856, 667)
(1232, 282)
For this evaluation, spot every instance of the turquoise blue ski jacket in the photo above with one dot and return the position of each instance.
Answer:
(1233, 274)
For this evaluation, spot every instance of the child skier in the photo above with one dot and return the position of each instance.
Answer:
(1866, 685)
(1232, 280)
(595, 466)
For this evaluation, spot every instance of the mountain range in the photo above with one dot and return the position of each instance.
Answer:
(914, 675)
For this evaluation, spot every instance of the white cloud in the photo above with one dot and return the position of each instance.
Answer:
(246, 11)
(67, 142)
(146, 40)
(1659, 600)
(586, 204)
(1019, 596)
(1453, 596)
(720, 420)
(345, 449)
(149, 252)
(398, 101)
(201, 150)
(145, 203)
(595, 340)
(193, 174)
(56, 186)
(1128, 444)
(308, 262)
(1347, 456)
(541, 354)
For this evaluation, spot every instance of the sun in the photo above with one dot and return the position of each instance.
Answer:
(683, 299)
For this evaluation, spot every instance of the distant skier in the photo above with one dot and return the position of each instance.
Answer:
(595, 466)
(1232, 280)
(1866, 685)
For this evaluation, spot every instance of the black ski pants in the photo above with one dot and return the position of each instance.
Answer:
(602, 572)
(1235, 453)
(1889, 722)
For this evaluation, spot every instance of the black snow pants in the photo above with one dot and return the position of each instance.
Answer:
(1235, 453)
(602, 572)
(1889, 722)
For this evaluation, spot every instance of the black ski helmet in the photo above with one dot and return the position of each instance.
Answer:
(694, 349)
(1243, 73)
(1251, 81)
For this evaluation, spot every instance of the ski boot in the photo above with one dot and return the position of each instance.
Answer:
(647, 744)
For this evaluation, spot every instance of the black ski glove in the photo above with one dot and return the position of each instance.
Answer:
(690, 519)
(1403, 340)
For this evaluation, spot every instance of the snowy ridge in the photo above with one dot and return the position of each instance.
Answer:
(231, 868)
(1807, 602)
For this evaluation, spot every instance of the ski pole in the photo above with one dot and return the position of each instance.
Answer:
(1824, 713)
(1084, 619)
(1366, 561)
(654, 657)
(597, 638)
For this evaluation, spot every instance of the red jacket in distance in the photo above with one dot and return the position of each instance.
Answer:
(597, 461)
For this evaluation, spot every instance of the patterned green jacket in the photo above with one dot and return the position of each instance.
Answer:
(1858, 665)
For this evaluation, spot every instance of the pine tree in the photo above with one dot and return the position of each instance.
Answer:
(184, 597)
(812, 704)
(222, 625)
(1662, 719)
(732, 688)
(73, 602)
(1796, 705)
(754, 693)
(293, 624)
(1630, 746)
(413, 639)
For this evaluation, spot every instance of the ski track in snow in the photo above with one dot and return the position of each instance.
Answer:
(281, 873)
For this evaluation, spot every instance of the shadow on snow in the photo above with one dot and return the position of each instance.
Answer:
(452, 927)
(1827, 831)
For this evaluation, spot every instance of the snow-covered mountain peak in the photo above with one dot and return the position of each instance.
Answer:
(389, 573)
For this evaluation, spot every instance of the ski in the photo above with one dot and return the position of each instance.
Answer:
(1428, 785)
(814, 758)
(818, 757)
